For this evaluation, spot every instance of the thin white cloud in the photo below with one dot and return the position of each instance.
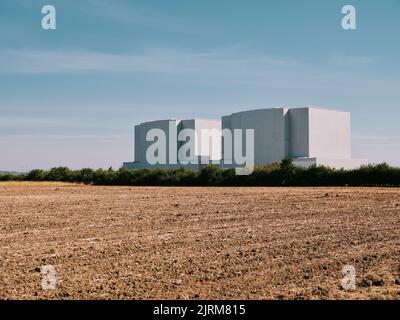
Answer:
(347, 60)
(13, 138)
(14, 122)
(369, 137)
(152, 61)
(131, 14)
(23, 121)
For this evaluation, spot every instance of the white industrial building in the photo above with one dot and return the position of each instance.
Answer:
(310, 136)
(205, 151)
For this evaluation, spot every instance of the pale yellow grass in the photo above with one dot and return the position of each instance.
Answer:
(34, 184)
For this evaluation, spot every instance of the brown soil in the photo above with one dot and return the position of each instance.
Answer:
(198, 243)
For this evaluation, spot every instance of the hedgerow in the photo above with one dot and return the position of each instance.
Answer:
(277, 174)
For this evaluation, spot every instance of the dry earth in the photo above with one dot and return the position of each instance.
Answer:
(198, 243)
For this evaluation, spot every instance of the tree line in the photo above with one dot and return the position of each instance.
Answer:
(278, 174)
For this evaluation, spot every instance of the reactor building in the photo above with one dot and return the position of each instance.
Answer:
(204, 152)
(309, 136)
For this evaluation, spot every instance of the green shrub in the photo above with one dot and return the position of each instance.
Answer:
(59, 174)
(35, 175)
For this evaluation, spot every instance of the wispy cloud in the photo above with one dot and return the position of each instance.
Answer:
(226, 66)
(131, 13)
(66, 122)
(346, 60)
(152, 61)
(116, 11)
(24, 121)
(13, 138)
(370, 137)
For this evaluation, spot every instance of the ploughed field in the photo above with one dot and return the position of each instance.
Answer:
(198, 243)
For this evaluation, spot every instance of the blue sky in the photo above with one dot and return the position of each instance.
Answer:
(71, 96)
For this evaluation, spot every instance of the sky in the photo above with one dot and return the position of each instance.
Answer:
(71, 96)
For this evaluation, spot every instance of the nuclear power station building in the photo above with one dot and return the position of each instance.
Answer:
(204, 152)
(310, 136)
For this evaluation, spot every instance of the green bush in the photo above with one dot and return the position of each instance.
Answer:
(210, 176)
(35, 175)
(59, 174)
